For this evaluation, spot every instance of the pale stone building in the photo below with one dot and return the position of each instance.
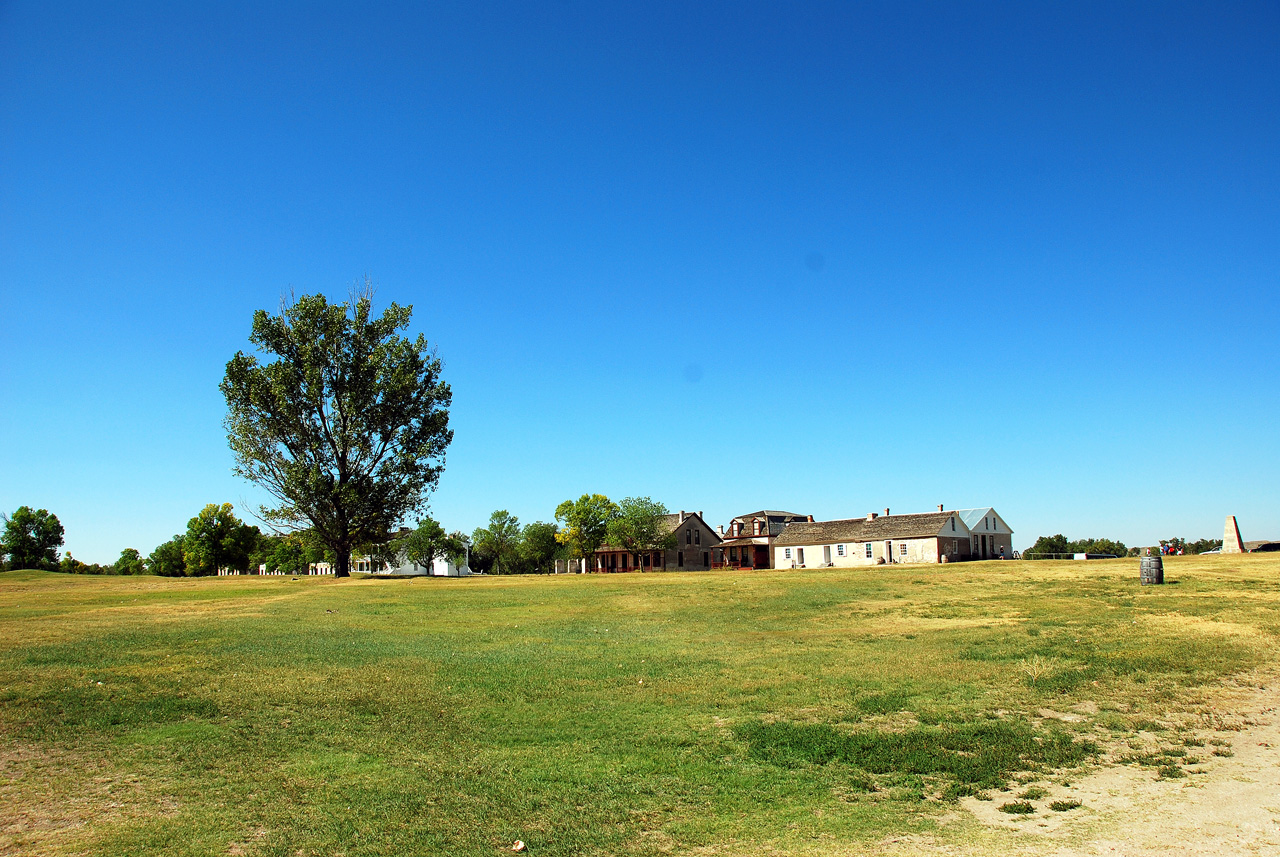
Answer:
(927, 537)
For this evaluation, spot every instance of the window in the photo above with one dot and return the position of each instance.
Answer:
(688, 538)
(902, 549)
(697, 537)
(839, 550)
(787, 553)
(680, 559)
(733, 554)
(706, 559)
(868, 550)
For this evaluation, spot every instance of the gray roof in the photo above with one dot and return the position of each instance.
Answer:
(770, 514)
(971, 517)
(776, 520)
(861, 530)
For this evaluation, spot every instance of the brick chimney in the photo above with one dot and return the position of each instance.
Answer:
(720, 527)
(886, 512)
(871, 516)
(811, 519)
(682, 516)
(939, 507)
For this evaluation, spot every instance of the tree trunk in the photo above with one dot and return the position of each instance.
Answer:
(342, 568)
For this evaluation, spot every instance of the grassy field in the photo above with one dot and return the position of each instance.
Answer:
(734, 712)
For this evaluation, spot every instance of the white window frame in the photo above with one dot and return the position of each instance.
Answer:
(839, 550)
(869, 550)
(902, 549)
(786, 553)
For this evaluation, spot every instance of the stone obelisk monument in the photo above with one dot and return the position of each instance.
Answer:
(1231, 542)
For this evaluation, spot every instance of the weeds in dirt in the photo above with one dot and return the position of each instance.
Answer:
(1018, 807)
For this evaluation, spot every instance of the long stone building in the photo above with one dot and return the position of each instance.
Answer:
(927, 537)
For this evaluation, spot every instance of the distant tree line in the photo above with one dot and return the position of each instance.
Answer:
(1048, 545)
(1177, 545)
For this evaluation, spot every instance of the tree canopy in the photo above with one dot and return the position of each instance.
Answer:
(167, 559)
(130, 562)
(346, 423)
(429, 542)
(640, 526)
(539, 547)
(217, 539)
(585, 524)
(31, 538)
(500, 541)
(1058, 544)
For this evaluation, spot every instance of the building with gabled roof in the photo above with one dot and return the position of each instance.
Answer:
(877, 539)
(694, 550)
(990, 536)
(748, 541)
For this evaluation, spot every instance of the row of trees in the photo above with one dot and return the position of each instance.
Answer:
(1047, 545)
(217, 539)
(637, 525)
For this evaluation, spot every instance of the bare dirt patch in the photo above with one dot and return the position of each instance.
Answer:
(1226, 803)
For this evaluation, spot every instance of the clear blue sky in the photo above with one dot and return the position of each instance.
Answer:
(819, 257)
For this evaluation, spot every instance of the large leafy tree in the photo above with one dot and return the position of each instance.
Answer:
(539, 548)
(31, 538)
(499, 541)
(167, 559)
(429, 542)
(641, 526)
(130, 562)
(584, 524)
(216, 539)
(345, 423)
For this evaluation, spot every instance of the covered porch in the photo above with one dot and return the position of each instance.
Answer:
(619, 561)
(742, 553)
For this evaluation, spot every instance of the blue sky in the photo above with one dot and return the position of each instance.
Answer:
(826, 258)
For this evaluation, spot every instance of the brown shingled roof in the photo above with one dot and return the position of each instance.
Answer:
(861, 530)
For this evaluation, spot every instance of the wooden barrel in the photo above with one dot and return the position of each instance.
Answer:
(1152, 570)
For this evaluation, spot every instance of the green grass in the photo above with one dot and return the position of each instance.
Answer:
(624, 714)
